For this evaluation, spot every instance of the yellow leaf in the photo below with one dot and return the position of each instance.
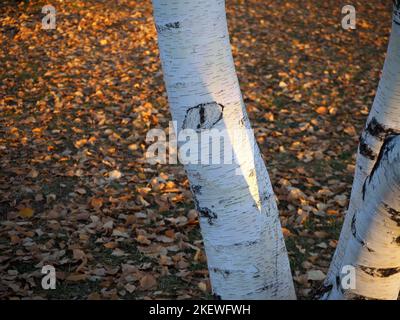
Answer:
(26, 212)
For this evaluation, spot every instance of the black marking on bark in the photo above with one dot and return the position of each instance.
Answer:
(397, 240)
(375, 129)
(379, 131)
(203, 116)
(380, 272)
(207, 213)
(196, 202)
(396, 13)
(385, 149)
(394, 214)
(354, 233)
(217, 296)
(364, 189)
(264, 288)
(321, 291)
(246, 243)
(225, 273)
(196, 189)
(338, 281)
(168, 26)
(365, 150)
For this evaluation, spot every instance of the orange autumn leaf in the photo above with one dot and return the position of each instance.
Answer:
(96, 203)
(26, 212)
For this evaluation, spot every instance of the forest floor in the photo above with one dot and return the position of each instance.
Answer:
(76, 104)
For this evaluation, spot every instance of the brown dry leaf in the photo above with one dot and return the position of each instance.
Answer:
(350, 130)
(202, 286)
(200, 256)
(192, 215)
(142, 239)
(94, 296)
(170, 234)
(75, 277)
(114, 175)
(33, 173)
(321, 234)
(110, 245)
(148, 282)
(81, 191)
(286, 232)
(78, 254)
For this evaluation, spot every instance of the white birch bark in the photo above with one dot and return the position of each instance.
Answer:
(383, 121)
(373, 248)
(246, 254)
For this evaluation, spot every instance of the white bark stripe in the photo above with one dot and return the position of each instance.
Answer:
(246, 253)
(383, 120)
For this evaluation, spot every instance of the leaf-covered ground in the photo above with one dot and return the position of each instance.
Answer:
(76, 104)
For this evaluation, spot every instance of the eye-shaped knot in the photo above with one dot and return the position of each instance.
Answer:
(203, 116)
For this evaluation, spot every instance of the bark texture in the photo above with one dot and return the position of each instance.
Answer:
(374, 245)
(246, 254)
(383, 121)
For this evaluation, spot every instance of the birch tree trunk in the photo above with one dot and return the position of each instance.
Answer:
(246, 254)
(383, 121)
(373, 248)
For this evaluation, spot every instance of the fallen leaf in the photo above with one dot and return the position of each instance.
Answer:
(316, 275)
(148, 282)
(114, 175)
(322, 110)
(76, 277)
(26, 212)
(96, 203)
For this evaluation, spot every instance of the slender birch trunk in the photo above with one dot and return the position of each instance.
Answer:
(246, 254)
(373, 248)
(383, 121)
